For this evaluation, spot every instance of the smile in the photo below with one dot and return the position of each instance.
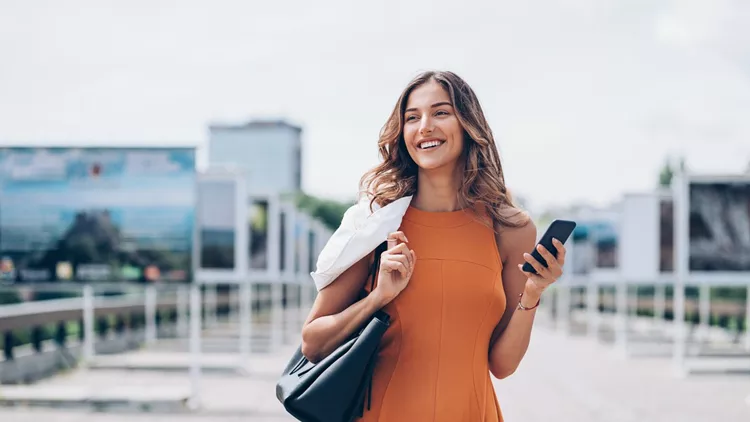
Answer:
(430, 144)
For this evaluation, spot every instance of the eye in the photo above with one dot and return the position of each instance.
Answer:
(441, 113)
(410, 118)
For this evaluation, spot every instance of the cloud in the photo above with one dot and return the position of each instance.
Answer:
(717, 27)
(596, 92)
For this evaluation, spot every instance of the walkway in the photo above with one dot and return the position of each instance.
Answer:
(561, 379)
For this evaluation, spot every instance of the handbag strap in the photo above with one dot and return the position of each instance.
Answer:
(367, 397)
(374, 267)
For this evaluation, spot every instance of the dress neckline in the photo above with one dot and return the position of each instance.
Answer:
(439, 218)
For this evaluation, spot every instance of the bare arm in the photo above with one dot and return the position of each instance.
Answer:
(511, 337)
(332, 320)
(337, 313)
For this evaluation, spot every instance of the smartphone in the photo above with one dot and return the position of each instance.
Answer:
(560, 230)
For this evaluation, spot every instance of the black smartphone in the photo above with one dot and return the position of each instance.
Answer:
(560, 230)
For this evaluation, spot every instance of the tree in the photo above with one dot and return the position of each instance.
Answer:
(667, 173)
(328, 211)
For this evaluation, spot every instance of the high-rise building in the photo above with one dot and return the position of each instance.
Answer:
(268, 152)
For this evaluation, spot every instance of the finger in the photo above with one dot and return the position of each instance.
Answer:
(552, 265)
(401, 248)
(407, 259)
(403, 259)
(392, 242)
(532, 276)
(394, 238)
(540, 269)
(395, 266)
(560, 251)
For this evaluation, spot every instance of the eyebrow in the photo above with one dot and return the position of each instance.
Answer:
(442, 103)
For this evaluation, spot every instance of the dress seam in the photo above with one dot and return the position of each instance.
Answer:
(481, 408)
(494, 270)
(395, 367)
(440, 342)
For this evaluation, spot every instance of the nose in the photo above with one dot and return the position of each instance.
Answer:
(425, 126)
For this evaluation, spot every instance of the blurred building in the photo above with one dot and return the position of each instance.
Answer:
(269, 152)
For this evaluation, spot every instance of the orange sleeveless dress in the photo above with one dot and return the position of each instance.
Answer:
(433, 360)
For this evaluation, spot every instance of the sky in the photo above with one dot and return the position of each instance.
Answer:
(586, 98)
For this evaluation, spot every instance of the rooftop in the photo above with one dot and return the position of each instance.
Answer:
(258, 123)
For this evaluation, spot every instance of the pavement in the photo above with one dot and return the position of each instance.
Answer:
(562, 378)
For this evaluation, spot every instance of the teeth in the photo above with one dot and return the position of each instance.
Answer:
(430, 144)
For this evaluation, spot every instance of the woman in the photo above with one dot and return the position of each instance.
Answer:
(461, 306)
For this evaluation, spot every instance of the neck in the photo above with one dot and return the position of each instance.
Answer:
(437, 190)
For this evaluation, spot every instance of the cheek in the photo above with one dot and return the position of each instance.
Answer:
(409, 134)
(453, 130)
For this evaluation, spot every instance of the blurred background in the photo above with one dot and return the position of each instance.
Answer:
(169, 172)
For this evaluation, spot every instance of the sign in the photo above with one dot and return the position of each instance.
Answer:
(257, 226)
(666, 235)
(719, 225)
(596, 244)
(222, 235)
(217, 200)
(639, 237)
(96, 214)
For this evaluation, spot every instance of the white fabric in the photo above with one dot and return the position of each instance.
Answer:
(360, 232)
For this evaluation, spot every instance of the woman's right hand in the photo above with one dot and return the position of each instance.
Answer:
(396, 268)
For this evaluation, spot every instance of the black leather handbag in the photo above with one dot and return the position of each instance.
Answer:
(335, 389)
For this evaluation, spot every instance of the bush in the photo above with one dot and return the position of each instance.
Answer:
(329, 212)
(8, 297)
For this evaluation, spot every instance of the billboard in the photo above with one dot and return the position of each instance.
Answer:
(257, 227)
(96, 214)
(719, 228)
(596, 245)
(666, 235)
(640, 227)
(217, 214)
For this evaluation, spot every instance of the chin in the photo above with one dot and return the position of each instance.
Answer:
(432, 165)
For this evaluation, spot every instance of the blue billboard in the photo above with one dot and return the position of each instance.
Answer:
(96, 214)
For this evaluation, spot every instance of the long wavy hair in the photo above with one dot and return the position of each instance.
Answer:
(483, 182)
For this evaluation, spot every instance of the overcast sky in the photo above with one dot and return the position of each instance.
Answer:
(586, 97)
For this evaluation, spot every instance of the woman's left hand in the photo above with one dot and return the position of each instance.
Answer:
(545, 276)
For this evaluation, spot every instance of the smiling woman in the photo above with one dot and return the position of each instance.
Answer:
(461, 307)
(432, 133)
(441, 107)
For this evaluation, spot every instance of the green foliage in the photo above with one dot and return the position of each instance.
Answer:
(667, 172)
(665, 175)
(734, 293)
(50, 295)
(328, 211)
(9, 297)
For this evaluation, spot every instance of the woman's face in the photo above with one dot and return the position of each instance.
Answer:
(432, 133)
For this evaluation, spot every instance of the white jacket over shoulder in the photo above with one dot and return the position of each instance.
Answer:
(360, 232)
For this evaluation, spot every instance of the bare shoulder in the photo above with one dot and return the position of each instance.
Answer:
(517, 239)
